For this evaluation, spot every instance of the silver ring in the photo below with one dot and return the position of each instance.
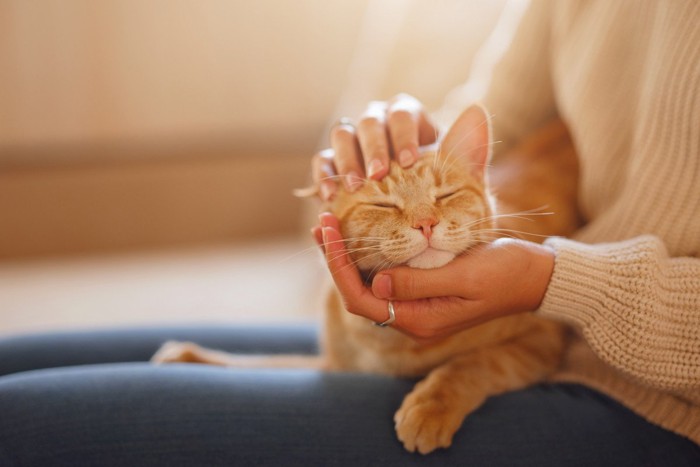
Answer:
(392, 316)
(344, 121)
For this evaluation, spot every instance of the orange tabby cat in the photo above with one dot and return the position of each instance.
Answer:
(423, 217)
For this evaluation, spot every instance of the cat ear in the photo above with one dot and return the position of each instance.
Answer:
(468, 140)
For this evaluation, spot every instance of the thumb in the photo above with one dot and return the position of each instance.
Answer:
(404, 283)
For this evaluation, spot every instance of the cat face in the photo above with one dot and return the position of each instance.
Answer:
(425, 215)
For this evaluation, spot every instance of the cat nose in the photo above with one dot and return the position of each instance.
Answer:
(426, 225)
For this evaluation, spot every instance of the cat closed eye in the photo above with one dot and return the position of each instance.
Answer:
(384, 205)
(445, 195)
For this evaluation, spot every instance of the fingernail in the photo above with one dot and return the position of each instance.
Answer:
(406, 158)
(327, 190)
(374, 168)
(316, 233)
(323, 219)
(352, 181)
(381, 286)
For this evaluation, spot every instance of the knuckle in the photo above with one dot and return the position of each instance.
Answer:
(326, 154)
(400, 117)
(342, 133)
(406, 285)
(369, 122)
(351, 307)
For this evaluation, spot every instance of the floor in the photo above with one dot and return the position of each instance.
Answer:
(262, 282)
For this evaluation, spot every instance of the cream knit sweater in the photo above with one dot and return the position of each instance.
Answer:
(625, 76)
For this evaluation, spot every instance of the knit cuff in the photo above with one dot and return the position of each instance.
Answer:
(592, 280)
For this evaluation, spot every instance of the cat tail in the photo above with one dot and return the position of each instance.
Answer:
(188, 352)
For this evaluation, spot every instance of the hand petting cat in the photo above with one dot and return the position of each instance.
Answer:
(504, 277)
(399, 126)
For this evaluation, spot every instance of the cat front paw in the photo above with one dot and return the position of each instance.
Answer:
(425, 424)
(178, 352)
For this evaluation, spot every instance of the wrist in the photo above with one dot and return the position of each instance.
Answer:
(538, 273)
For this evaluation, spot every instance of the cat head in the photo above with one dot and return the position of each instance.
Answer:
(425, 215)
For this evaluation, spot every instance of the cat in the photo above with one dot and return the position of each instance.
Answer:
(423, 216)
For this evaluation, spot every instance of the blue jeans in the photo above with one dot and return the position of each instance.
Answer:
(74, 399)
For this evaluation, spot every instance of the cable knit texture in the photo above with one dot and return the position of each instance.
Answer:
(625, 76)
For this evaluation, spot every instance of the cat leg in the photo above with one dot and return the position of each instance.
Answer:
(188, 352)
(432, 413)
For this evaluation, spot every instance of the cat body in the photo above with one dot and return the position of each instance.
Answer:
(422, 217)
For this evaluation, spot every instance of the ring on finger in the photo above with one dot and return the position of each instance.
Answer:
(345, 121)
(392, 316)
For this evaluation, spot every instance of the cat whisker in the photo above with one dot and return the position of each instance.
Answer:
(356, 240)
(486, 233)
(516, 215)
(367, 248)
(348, 248)
(298, 253)
(383, 265)
(514, 231)
(355, 262)
(303, 252)
(539, 211)
(332, 178)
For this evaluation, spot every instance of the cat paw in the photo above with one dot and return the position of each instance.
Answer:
(178, 352)
(425, 424)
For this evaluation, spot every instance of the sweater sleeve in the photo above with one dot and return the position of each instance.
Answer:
(637, 308)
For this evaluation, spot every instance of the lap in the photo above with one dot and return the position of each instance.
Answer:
(137, 414)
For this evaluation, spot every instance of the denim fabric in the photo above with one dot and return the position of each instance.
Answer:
(134, 414)
(31, 352)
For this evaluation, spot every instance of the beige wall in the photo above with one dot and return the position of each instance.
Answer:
(107, 70)
(165, 117)
(185, 197)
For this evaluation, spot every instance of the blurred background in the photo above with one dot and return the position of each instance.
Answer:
(148, 148)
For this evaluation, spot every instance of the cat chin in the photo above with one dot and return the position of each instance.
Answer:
(430, 259)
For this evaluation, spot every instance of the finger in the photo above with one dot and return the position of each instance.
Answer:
(428, 320)
(328, 219)
(406, 283)
(427, 131)
(402, 123)
(317, 235)
(410, 126)
(373, 140)
(324, 174)
(347, 157)
(356, 297)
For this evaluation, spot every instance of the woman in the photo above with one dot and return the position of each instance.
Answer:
(626, 80)
(625, 77)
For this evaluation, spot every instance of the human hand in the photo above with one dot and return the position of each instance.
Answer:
(490, 281)
(386, 130)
